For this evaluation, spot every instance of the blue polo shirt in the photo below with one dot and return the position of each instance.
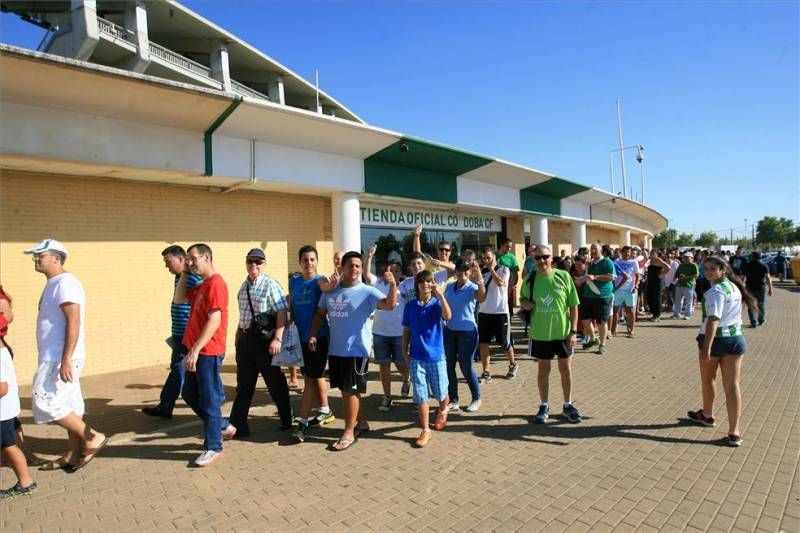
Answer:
(462, 305)
(425, 322)
(180, 312)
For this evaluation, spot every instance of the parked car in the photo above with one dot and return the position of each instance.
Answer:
(773, 269)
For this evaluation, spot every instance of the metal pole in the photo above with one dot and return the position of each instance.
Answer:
(641, 171)
(745, 234)
(621, 150)
(611, 171)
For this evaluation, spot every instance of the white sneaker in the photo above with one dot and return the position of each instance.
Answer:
(474, 406)
(229, 432)
(453, 408)
(207, 458)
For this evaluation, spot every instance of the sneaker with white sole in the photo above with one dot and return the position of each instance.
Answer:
(543, 414)
(453, 407)
(701, 418)
(301, 432)
(18, 490)
(572, 414)
(513, 368)
(386, 404)
(208, 458)
(229, 432)
(322, 418)
(474, 406)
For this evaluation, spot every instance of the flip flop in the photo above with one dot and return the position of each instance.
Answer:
(57, 464)
(344, 444)
(90, 454)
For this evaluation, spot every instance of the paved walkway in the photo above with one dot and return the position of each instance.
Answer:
(634, 463)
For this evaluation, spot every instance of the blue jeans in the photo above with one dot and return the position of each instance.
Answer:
(204, 393)
(757, 317)
(460, 346)
(681, 294)
(174, 383)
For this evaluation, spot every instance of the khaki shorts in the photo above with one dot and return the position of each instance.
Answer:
(52, 398)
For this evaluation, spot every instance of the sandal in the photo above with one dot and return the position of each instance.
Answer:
(441, 421)
(57, 464)
(342, 445)
(424, 438)
(90, 454)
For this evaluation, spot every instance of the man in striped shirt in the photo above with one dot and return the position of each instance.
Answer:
(175, 262)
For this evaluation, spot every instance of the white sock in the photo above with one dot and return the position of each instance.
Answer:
(567, 404)
(324, 410)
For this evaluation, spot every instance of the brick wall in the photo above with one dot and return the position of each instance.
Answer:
(115, 231)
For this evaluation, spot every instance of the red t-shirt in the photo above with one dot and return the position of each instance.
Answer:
(211, 295)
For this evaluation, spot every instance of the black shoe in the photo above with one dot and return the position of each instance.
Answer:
(18, 490)
(156, 411)
(285, 426)
(301, 432)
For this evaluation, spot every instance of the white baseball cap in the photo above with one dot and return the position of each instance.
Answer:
(48, 245)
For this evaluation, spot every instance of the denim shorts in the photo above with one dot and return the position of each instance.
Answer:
(388, 350)
(625, 299)
(724, 345)
(426, 374)
(8, 433)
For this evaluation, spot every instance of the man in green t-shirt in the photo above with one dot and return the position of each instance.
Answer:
(506, 257)
(685, 278)
(598, 296)
(551, 297)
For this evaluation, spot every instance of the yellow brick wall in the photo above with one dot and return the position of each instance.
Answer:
(115, 232)
(605, 236)
(560, 234)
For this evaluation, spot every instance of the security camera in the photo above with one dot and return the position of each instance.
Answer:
(404, 147)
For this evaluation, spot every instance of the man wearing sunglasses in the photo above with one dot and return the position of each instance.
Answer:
(552, 298)
(259, 294)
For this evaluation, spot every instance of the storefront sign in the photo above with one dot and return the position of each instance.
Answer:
(408, 217)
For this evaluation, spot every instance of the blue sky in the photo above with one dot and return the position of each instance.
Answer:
(710, 89)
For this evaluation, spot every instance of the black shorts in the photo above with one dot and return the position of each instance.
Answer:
(349, 374)
(314, 363)
(494, 327)
(721, 346)
(598, 309)
(8, 433)
(550, 349)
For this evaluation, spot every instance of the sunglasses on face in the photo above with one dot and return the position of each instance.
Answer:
(255, 262)
(444, 249)
(541, 257)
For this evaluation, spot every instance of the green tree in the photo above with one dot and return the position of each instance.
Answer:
(684, 239)
(665, 239)
(707, 239)
(774, 231)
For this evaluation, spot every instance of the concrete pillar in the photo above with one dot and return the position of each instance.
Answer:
(539, 230)
(346, 221)
(648, 243)
(85, 32)
(220, 65)
(578, 234)
(136, 21)
(275, 90)
(626, 241)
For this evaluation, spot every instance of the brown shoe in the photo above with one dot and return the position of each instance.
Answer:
(441, 421)
(424, 438)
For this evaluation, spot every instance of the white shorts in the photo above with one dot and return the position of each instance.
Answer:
(52, 398)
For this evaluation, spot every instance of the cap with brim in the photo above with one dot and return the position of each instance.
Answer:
(48, 245)
(256, 253)
(688, 254)
(462, 265)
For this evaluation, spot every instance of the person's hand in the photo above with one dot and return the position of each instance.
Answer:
(312, 344)
(526, 305)
(418, 230)
(275, 346)
(437, 291)
(769, 291)
(65, 372)
(388, 278)
(190, 360)
(334, 279)
(705, 354)
(371, 250)
(572, 339)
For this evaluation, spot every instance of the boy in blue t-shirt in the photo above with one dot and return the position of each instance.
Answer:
(424, 345)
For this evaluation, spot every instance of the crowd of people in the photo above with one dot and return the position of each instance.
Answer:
(446, 314)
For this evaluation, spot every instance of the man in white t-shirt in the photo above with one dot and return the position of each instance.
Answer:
(494, 322)
(56, 392)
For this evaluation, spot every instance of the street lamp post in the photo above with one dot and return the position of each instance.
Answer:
(639, 159)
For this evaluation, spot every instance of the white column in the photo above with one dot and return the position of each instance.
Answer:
(539, 230)
(275, 90)
(136, 21)
(220, 64)
(648, 243)
(346, 221)
(627, 237)
(578, 235)
(85, 31)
